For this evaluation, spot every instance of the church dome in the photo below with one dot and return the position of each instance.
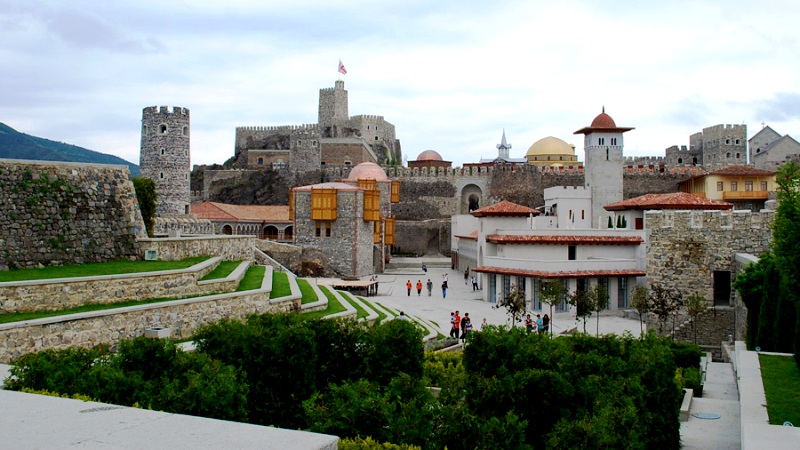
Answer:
(430, 155)
(603, 120)
(367, 171)
(550, 146)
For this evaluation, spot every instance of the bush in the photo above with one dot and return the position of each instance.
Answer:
(369, 444)
(685, 354)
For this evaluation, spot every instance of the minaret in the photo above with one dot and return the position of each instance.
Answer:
(503, 147)
(603, 160)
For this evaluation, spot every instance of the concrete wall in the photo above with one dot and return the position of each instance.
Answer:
(64, 293)
(54, 213)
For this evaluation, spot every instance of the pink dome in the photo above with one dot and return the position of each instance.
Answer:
(367, 171)
(430, 155)
(603, 120)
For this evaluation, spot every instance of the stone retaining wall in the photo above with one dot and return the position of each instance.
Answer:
(182, 317)
(64, 293)
(229, 248)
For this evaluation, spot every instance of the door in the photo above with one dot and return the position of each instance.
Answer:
(722, 288)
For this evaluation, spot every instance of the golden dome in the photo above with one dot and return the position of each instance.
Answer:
(550, 146)
(367, 170)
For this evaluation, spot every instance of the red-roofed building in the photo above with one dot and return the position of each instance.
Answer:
(265, 222)
(632, 210)
(744, 186)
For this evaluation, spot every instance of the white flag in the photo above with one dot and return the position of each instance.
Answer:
(342, 70)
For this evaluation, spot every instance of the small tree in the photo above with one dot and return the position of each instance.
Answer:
(664, 302)
(551, 293)
(583, 305)
(514, 303)
(147, 197)
(695, 305)
(641, 304)
(599, 301)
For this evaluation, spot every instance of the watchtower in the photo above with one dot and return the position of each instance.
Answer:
(333, 112)
(164, 156)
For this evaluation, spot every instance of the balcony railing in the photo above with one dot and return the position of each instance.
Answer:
(745, 195)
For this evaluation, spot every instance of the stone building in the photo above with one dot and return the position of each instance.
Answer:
(336, 139)
(164, 157)
(715, 147)
(350, 220)
(769, 150)
(269, 222)
(430, 159)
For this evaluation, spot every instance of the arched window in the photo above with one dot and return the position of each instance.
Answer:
(288, 233)
(227, 229)
(163, 150)
(271, 232)
(144, 130)
(680, 160)
(162, 128)
(185, 131)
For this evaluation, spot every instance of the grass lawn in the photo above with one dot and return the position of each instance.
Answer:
(309, 296)
(381, 315)
(387, 309)
(280, 285)
(782, 386)
(224, 268)
(360, 312)
(253, 279)
(333, 306)
(95, 269)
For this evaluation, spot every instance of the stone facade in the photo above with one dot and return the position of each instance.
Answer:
(54, 213)
(712, 328)
(685, 248)
(164, 158)
(64, 293)
(181, 225)
(229, 248)
(182, 317)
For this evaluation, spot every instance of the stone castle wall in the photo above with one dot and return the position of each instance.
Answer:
(684, 248)
(65, 293)
(181, 225)
(182, 317)
(419, 238)
(229, 248)
(54, 213)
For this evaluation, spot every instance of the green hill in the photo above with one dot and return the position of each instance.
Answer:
(16, 145)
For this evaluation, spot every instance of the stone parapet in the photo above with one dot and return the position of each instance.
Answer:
(63, 293)
(229, 248)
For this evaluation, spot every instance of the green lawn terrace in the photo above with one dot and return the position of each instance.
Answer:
(51, 310)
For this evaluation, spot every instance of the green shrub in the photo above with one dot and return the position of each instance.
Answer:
(147, 197)
(370, 444)
(685, 354)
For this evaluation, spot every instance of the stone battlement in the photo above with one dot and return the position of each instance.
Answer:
(367, 117)
(284, 128)
(151, 110)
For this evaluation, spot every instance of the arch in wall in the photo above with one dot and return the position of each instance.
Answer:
(271, 232)
(227, 229)
(288, 233)
(471, 198)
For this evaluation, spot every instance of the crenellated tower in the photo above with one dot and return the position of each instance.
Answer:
(165, 156)
(333, 111)
(603, 160)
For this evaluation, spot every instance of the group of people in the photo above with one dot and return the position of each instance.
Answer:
(460, 326)
(542, 324)
(429, 285)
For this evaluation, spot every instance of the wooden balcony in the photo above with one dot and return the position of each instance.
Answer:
(745, 195)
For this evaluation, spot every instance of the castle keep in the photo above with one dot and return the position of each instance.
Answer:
(165, 156)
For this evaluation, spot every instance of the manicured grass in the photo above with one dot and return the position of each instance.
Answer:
(381, 315)
(18, 317)
(222, 270)
(95, 269)
(253, 279)
(333, 306)
(309, 296)
(782, 387)
(387, 309)
(360, 312)
(280, 285)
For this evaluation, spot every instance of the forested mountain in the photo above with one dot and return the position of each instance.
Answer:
(16, 145)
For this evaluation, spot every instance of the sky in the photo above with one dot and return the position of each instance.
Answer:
(450, 75)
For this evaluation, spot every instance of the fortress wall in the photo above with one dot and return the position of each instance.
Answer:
(428, 237)
(182, 317)
(229, 248)
(54, 213)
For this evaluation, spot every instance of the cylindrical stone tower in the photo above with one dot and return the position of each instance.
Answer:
(164, 156)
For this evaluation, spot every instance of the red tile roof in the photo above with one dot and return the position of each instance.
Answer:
(252, 213)
(576, 274)
(743, 171)
(673, 200)
(473, 235)
(505, 208)
(564, 240)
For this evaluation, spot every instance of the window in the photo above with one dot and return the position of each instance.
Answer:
(680, 160)
(376, 138)
(727, 141)
(622, 292)
(323, 229)
(719, 186)
(734, 185)
(613, 141)
(388, 231)
(571, 252)
(748, 186)
(163, 150)
(537, 301)
(395, 192)
(601, 141)
(763, 185)
(144, 130)
(603, 283)
(185, 131)
(299, 142)
(279, 165)
(323, 204)
(161, 175)
(372, 205)
(162, 129)
(260, 161)
(728, 155)
(506, 285)
(738, 141)
(738, 155)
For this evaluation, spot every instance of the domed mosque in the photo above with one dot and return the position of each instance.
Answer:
(552, 151)
(430, 159)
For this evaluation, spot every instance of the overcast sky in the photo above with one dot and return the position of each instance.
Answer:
(450, 75)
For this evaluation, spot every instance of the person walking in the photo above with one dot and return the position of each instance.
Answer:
(529, 323)
(444, 278)
(466, 276)
(430, 287)
(546, 323)
(444, 289)
(468, 328)
(408, 286)
(474, 284)
(464, 325)
(484, 324)
(539, 324)
(419, 288)
(456, 325)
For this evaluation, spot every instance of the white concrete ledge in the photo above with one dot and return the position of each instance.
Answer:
(686, 404)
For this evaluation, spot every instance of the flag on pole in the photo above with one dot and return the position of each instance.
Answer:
(342, 70)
